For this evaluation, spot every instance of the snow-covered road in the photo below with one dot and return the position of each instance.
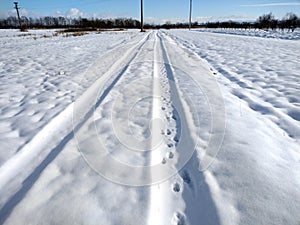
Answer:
(162, 127)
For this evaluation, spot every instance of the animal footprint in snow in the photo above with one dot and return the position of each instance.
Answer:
(168, 132)
(170, 155)
(163, 108)
(185, 176)
(214, 72)
(170, 145)
(174, 117)
(178, 219)
(176, 139)
(164, 161)
(176, 187)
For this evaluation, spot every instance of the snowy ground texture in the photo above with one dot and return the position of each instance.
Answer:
(162, 127)
(281, 34)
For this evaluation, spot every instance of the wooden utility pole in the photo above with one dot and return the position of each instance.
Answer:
(142, 17)
(19, 18)
(190, 20)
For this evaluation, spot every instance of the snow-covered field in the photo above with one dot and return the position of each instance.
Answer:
(281, 34)
(161, 127)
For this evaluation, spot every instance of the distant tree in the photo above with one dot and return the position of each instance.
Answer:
(147, 26)
(290, 21)
(167, 25)
(246, 25)
(62, 21)
(274, 24)
(195, 24)
(12, 22)
(265, 21)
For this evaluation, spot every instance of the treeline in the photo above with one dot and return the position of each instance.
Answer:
(266, 22)
(63, 22)
(290, 22)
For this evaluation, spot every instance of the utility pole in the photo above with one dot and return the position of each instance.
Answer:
(142, 17)
(190, 23)
(19, 18)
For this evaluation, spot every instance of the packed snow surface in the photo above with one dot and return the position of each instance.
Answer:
(162, 127)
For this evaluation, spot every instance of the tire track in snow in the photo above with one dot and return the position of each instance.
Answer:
(167, 203)
(159, 197)
(36, 155)
(117, 109)
(194, 200)
(241, 90)
(175, 200)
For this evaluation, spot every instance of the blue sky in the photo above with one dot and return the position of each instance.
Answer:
(155, 10)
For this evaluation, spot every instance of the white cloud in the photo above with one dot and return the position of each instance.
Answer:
(23, 12)
(153, 20)
(201, 19)
(204, 19)
(73, 12)
(273, 4)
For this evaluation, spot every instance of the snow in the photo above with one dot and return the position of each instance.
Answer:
(257, 168)
(279, 34)
(39, 78)
(162, 127)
